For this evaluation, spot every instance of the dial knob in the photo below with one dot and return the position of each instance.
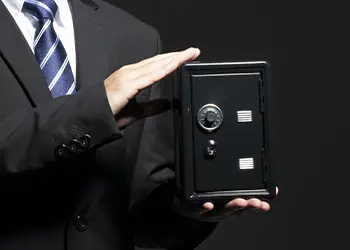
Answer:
(209, 117)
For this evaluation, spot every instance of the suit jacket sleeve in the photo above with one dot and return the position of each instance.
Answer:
(155, 222)
(40, 137)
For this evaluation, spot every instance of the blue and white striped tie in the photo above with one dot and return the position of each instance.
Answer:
(48, 48)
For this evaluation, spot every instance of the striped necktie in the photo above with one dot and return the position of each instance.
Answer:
(48, 48)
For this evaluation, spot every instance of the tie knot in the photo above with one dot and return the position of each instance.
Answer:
(40, 9)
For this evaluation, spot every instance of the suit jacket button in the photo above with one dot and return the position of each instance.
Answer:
(61, 152)
(85, 141)
(74, 146)
(80, 224)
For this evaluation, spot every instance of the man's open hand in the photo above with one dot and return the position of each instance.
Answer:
(214, 213)
(124, 84)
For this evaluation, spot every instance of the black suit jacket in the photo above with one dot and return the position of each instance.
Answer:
(69, 179)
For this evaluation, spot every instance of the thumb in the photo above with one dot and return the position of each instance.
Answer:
(135, 111)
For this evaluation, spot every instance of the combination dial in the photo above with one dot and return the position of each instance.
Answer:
(209, 117)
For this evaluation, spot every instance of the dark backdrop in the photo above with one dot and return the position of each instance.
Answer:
(309, 128)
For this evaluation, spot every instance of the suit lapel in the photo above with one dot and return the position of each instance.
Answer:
(92, 58)
(20, 59)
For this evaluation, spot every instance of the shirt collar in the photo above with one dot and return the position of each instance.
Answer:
(14, 4)
(17, 5)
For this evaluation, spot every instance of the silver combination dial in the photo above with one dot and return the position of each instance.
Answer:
(210, 117)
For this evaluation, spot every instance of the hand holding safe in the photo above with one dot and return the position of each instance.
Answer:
(221, 131)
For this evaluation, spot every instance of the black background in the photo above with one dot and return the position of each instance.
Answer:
(309, 138)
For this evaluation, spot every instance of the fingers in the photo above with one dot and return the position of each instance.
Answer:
(159, 69)
(208, 206)
(237, 203)
(232, 208)
(265, 206)
(160, 57)
(254, 204)
(187, 55)
(176, 60)
(153, 59)
(258, 205)
(163, 56)
(234, 204)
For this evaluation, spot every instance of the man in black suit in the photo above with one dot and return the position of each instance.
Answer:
(81, 167)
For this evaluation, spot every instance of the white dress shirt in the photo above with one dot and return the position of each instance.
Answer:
(63, 25)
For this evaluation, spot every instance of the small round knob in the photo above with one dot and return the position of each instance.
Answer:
(210, 149)
(210, 117)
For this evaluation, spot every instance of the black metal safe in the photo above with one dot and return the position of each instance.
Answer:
(221, 131)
